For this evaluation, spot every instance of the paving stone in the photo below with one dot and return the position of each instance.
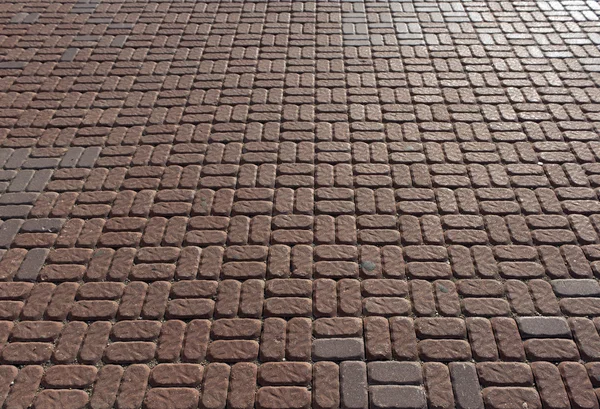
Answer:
(504, 374)
(172, 397)
(18, 198)
(31, 266)
(70, 159)
(338, 349)
(70, 376)
(438, 385)
(283, 397)
(42, 225)
(5, 153)
(18, 156)
(326, 385)
(400, 373)
(576, 288)
(8, 231)
(88, 158)
(69, 54)
(353, 385)
(397, 397)
(285, 373)
(501, 397)
(544, 327)
(21, 180)
(39, 180)
(12, 64)
(40, 163)
(7, 175)
(31, 18)
(64, 398)
(467, 393)
(550, 385)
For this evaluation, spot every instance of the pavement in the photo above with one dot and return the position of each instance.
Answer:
(299, 204)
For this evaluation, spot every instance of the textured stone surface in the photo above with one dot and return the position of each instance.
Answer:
(543, 327)
(353, 385)
(338, 349)
(394, 373)
(465, 385)
(276, 203)
(387, 397)
(576, 288)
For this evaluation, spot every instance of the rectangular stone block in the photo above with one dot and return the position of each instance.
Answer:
(338, 349)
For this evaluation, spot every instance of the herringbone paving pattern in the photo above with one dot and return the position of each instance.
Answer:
(292, 204)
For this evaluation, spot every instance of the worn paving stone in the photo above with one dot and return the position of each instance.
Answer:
(543, 327)
(353, 385)
(275, 203)
(338, 349)
(387, 397)
(466, 385)
(576, 288)
(387, 373)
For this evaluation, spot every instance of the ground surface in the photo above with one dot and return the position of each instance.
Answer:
(385, 204)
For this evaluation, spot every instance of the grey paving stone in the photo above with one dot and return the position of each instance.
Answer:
(5, 154)
(32, 264)
(42, 225)
(467, 393)
(40, 163)
(12, 65)
(99, 20)
(40, 180)
(21, 180)
(7, 175)
(72, 156)
(397, 397)
(357, 43)
(17, 158)
(89, 156)
(338, 349)
(12, 211)
(69, 54)
(119, 41)
(18, 18)
(576, 288)
(85, 38)
(544, 327)
(18, 198)
(83, 9)
(400, 373)
(120, 26)
(353, 385)
(31, 18)
(8, 231)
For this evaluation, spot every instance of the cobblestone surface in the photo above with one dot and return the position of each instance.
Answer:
(293, 204)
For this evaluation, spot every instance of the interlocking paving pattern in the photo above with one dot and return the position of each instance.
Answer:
(291, 204)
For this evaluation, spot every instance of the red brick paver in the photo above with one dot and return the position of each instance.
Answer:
(292, 204)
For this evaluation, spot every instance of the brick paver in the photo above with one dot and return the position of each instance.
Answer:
(292, 204)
